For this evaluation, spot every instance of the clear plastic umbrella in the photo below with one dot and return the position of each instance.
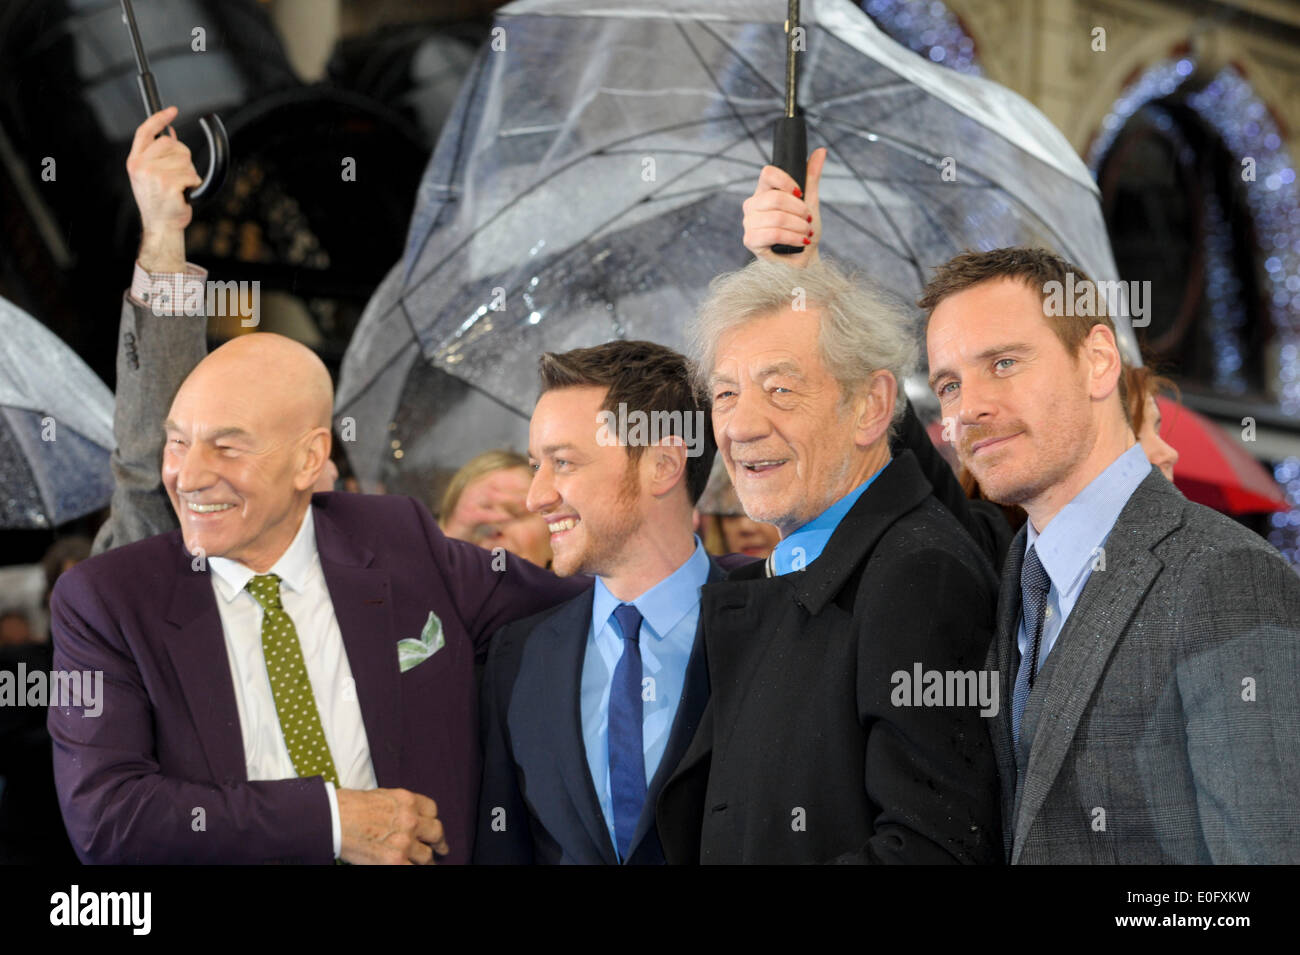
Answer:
(589, 185)
(56, 428)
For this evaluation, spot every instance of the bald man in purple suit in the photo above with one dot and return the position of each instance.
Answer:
(193, 755)
(289, 676)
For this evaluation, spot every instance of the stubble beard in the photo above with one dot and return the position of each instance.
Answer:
(608, 536)
(1057, 461)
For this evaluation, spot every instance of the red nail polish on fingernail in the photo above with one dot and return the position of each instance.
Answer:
(807, 241)
(810, 218)
(798, 193)
(810, 234)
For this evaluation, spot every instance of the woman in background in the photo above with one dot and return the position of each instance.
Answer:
(484, 504)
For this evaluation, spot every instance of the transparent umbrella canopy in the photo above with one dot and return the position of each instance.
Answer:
(56, 427)
(589, 185)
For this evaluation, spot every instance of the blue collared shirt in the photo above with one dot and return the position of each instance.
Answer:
(1073, 542)
(806, 544)
(670, 611)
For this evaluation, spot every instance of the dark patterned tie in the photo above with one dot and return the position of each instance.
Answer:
(1034, 584)
(627, 786)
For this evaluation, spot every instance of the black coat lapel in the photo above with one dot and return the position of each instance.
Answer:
(695, 695)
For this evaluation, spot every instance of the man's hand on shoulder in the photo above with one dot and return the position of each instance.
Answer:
(389, 827)
(161, 170)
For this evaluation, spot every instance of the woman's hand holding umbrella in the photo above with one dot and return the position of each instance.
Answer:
(777, 214)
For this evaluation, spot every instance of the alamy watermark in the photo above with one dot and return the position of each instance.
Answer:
(242, 300)
(59, 688)
(923, 687)
(643, 429)
(1130, 299)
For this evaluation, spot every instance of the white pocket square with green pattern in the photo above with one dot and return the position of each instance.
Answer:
(412, 653)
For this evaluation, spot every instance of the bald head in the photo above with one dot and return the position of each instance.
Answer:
(248, 437)
(290, 383)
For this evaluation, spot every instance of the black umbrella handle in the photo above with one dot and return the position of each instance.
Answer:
(790, 154)
(214, 130)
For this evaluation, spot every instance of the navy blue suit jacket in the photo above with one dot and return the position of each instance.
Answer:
(538, 803)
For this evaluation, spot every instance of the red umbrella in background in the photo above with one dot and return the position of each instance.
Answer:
(1212, 468)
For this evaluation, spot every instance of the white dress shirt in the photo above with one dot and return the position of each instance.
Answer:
(306, 600)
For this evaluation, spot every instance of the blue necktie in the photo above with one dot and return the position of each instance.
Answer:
(1034, 584)
(626, 748)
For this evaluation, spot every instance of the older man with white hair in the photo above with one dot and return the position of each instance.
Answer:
(845, 722)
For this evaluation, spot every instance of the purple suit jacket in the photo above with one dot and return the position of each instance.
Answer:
(159, 775)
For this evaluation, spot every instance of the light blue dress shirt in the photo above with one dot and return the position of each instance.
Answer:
(1074, 542)
(806, 544)
(670, 611)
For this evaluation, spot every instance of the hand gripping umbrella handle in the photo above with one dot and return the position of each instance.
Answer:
(213, 129)
(790, 155)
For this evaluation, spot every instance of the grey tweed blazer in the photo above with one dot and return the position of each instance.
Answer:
(1164, 726)
(154, 355)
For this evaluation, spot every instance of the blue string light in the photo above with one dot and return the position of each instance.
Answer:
(1242, 121)
(928, 28)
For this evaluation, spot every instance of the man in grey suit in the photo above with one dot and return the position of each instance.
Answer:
(1152, 643)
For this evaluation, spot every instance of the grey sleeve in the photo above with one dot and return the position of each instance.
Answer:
(1239, 652)
(154, 355)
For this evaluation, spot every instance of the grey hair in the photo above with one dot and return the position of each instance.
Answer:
(863, 328)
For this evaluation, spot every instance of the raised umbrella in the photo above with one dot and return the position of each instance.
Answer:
(588, 186)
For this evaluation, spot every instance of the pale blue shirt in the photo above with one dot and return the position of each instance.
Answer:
(1074, 542)
(806, 544)
(670, 611)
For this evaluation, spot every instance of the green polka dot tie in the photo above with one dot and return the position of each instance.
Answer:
(295, 703)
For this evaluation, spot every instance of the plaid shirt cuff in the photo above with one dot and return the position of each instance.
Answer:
(167, 292)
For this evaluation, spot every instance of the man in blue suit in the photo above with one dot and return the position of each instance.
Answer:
(588, 707)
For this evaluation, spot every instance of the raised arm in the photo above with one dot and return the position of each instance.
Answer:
(490, 589)
(158, 344)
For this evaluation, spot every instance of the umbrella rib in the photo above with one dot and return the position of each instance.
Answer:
(582, 158)
(717, 85)
(705, 27)
(886, 139)
(857, 227)
(911, 253)
(987, 184)
(479, 66)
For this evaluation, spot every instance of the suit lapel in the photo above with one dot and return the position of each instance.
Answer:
(198, 654)
(1002, 659)
(1108, 602)
(361, 597)
(695, 695)
(553, 715)
(739, 610)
